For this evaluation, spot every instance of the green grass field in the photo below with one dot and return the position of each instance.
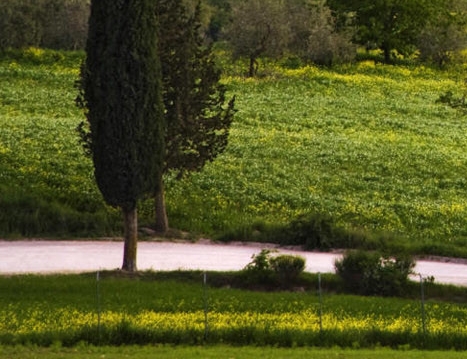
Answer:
(217, 352)
(154, 309)
(364, 145)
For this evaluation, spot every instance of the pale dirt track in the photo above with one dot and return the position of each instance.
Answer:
(21, 257)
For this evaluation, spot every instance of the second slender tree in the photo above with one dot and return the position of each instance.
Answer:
(196, 110)
(120, 90)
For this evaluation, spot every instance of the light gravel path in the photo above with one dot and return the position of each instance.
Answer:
(21, 257)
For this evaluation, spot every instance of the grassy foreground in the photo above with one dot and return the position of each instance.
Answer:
(152, 309)
(363, 148)
(216, 352)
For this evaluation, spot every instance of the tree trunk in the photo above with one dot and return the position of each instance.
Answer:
(162, 221)
(253, 67)
(130, 221)
(387, 53)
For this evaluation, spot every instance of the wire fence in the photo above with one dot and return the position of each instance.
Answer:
(105, 310)
(320, 305)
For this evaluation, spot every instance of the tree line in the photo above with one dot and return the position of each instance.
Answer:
(324, 32)
(54, 24)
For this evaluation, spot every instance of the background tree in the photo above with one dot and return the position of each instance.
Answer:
(258, 28)
(445, 34)
(56, 24)
(19, 24)
(121, 92)
(387, 24)
(314, 34)
(220, 14)
(196, 112)
(65, 24)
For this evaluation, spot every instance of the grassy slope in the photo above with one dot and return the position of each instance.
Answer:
(46, 183)
(364, 144)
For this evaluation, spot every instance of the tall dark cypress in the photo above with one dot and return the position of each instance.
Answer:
(121, 92)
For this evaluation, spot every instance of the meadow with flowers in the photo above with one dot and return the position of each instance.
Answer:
(152, 310)
(365, 145)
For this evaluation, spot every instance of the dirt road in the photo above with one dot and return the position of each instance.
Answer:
(82, 256)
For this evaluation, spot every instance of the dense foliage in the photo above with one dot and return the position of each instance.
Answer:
(193, 95)
(372, 273)
(323, 32)
(54, 24)
(399, 27)
(258, 28)
(269, 270)
(287, 267)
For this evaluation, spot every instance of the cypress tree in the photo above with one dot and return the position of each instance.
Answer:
(197, 113)
(120, 89)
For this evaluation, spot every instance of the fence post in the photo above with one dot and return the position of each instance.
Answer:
(422, 293)
(98, 302)
(320, 304)
(205, 295)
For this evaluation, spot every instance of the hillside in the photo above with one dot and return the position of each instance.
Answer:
(362, 150)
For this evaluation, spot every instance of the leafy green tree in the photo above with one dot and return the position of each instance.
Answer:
(196, 111)
(314, 34)
(390, 25)
(64, 24)
(220, 14)
(20, 23)
(58, 24)
(121, 92)
(445, 35)
(258, 28)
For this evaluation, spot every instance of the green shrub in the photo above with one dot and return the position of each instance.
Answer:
(260, 262)
(313, 231)
(318, 231)
(287, 267)
(266, 269)
(258, 272)
(371, 273)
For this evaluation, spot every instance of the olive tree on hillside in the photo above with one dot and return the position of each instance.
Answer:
(197, 114)
(390, 25)
(444, 35)
(19, 24)
(120, 89)
(57, 24)
(258, 28)
(65, 24)
(315, 36)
